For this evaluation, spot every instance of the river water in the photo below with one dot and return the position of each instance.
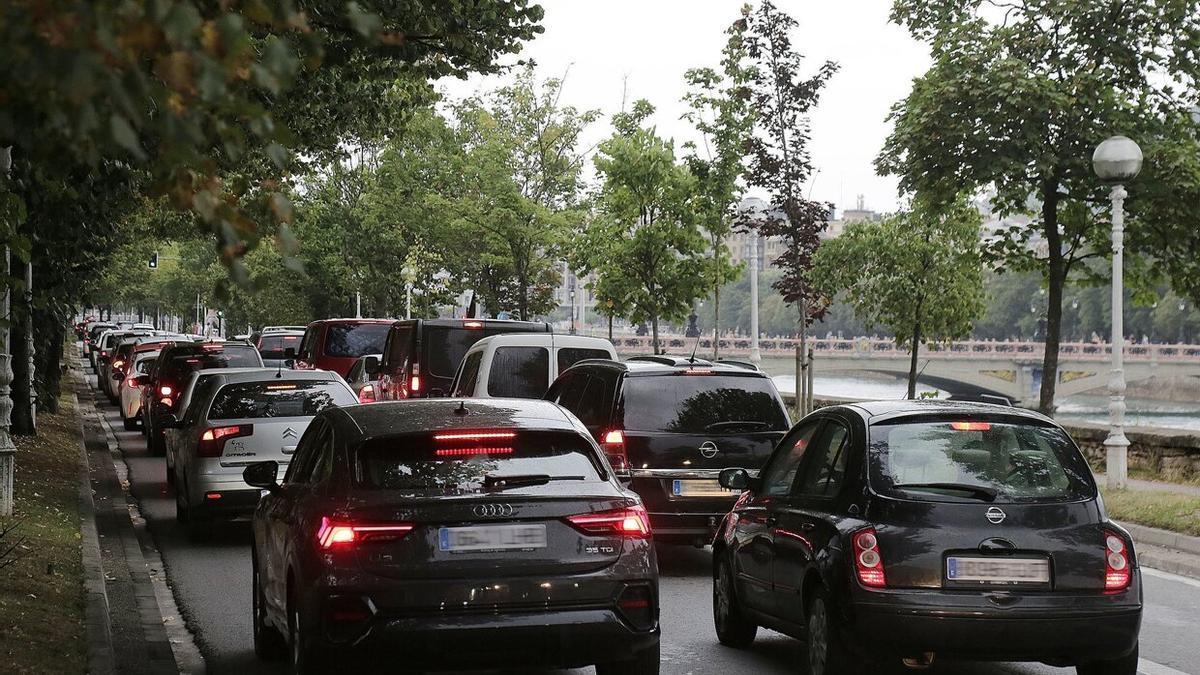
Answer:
(1091, 408)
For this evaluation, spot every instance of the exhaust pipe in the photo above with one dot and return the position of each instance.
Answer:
(922, 662)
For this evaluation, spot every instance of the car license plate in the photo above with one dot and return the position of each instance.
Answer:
(492, 538)
(700, 488)
(998, 571)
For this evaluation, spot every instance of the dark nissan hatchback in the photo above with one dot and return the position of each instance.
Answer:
(918, 531)
(442, 534)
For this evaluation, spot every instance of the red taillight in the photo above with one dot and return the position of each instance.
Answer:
(414, 384)
(212, 441)
(116, 365)
(614, 448)
(1117, 568)
(334, 534)
(474, 436)
(165, 390)
(468, 452)
(868, 563)
(629, 522)
(131, 381)
(970, 426)
(367, 394)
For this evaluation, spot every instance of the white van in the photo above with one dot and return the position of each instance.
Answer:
(522, 365)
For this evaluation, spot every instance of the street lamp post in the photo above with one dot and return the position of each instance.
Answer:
(755, 354)
(410, 275)
(1116, 161)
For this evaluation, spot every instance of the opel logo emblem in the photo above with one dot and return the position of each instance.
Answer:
(995, 516)
(289, 433)
(708, 449)
(493, 510)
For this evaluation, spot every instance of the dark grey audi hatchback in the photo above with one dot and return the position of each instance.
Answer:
(907, 531)
(440, 534)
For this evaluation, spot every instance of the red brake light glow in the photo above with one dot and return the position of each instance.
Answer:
(475, 436)
(367, 394)
(629, 522)
(212, 441)
(467, 452)
(116, 365)
(165, 390)
(970, 426)
(868, 564)
(333, 534)
(1117, 573)
(614, 448)
(415, 384)
(698, 371)
(473, 324)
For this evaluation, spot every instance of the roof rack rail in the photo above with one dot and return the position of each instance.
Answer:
(664, 360)
(748, 365)
(669, 360)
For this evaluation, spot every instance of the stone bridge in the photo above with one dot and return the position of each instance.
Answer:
(1010, 369)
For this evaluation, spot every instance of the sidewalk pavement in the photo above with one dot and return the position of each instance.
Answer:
(124, 625)
(1162, 549)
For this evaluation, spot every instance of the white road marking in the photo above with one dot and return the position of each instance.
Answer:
(1151, 668)
(1170, 577)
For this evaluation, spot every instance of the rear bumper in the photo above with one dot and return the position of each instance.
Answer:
(225, 501)
(554, 639)
(1080, 631)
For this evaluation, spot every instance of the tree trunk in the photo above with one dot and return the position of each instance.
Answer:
(716, 321)
(1055, 278)
(654, 333)
(802, 364)
(22, 412)
(915, 348)
(49, 336)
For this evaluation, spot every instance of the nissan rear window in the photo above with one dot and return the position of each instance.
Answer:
(702, 404)
(352, 340)
(251, 400)
(456, 463)
(977, 460)
(274, 346)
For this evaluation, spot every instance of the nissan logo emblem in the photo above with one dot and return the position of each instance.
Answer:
(708, 449)
(995, 516)
(493, 510)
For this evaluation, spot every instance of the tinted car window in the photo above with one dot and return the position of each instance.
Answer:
(277, 399)
(273, 346)
(569, 356)
(308, 451)
(401, 346)
(1016, 461)
(702, 404)
(519, 372)
(780, 475)
(446, 347)
(470, 373)
(177, 365)
(353, 340)
(824, 466)
(421, 465)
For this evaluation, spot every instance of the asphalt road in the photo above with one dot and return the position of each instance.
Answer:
(211, 582)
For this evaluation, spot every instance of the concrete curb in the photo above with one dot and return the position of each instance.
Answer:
(1163, 538)
(96, 627)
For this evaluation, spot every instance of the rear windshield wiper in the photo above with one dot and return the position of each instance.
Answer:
(737, 424)
(986, 494)
(501, 482)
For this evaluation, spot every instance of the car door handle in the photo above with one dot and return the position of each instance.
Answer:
(807, 526)
(772, 520)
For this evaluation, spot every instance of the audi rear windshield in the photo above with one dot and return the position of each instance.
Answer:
(1001, 461)
(457, 463)
(252, 400)
(702, 404)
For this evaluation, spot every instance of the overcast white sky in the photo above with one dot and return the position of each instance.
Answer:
(652, 43)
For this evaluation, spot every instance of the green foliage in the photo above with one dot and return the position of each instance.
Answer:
(643, 243)
(917, 273)
(1016, 101)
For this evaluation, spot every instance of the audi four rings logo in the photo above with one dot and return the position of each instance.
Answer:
(493, 510)
(995, 516)
(708, 449)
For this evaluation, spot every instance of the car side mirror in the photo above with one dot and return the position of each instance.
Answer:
(117, 375)
(262, 475)
(735, 479)
(371, 365)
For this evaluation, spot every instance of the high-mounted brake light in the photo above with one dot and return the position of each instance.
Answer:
(970, 426)
(628, 522)
(698, 371)
(212, 441)
(467, 452)
(1117, 572)
(613, 446)
(334, 534)
(473, 324)
(868, 563)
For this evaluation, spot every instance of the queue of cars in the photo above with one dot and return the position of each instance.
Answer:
(882, 534)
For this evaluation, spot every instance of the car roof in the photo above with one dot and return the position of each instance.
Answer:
(667, 365)
(236, 375)
(880, 411)
(435, 414)
(543, 339)
(196, 347)
(349, 320)
(489, 323)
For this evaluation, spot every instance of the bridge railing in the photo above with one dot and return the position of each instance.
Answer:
(887, 349)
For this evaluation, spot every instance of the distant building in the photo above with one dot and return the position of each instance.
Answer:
(770, 248)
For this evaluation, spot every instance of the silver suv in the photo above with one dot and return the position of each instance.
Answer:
(235, 418)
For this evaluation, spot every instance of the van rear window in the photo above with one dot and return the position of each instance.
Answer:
(275, 346)
(348, 340)
(1000, 461)
(702, 404)
(251, 400)
(423, 464)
